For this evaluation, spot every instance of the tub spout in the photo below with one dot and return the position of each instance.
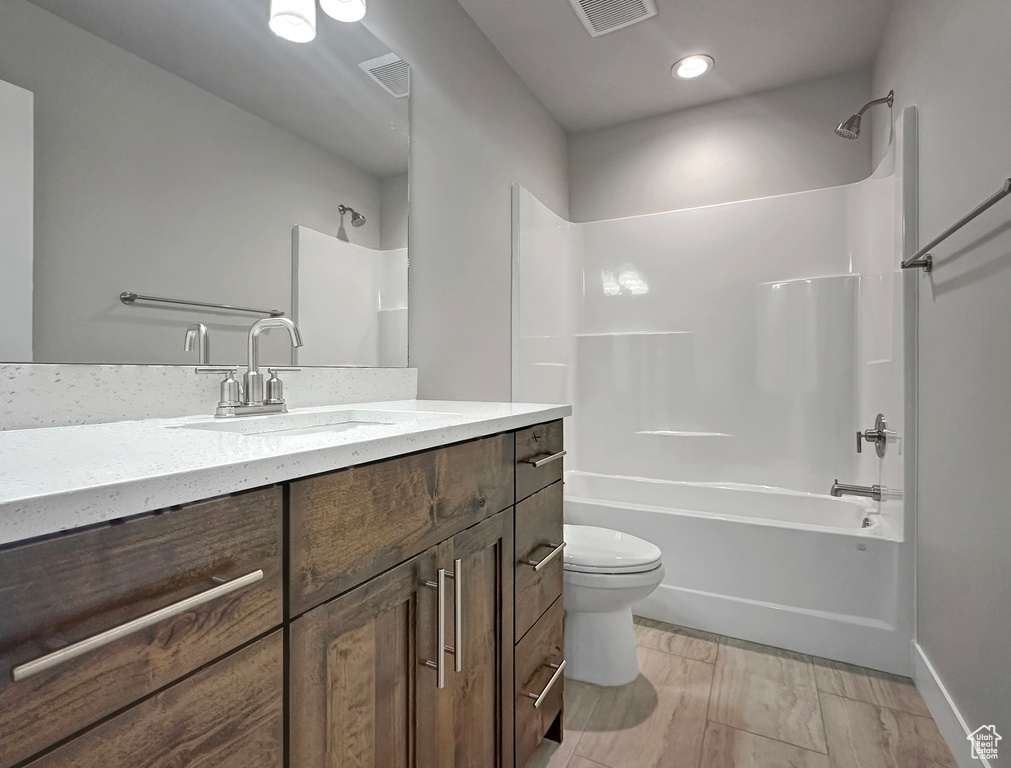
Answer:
(868, 491)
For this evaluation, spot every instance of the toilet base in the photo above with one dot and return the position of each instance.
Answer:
(600, 647)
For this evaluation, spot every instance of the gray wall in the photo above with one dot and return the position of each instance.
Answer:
(17, 201)
(952, 60)
(148, 183)
(769, 143)
(393, 212)
(475, 129)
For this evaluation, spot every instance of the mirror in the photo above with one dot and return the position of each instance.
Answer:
(182, 150)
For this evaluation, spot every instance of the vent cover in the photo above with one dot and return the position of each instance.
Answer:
(391, 72)
(602, 16)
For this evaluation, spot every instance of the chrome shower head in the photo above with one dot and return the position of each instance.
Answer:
(850, 128)
(357, 220)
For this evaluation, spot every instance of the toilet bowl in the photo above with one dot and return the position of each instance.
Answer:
(605, 572)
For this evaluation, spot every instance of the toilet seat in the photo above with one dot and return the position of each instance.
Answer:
(589, 549)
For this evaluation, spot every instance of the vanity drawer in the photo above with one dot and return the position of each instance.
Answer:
(538, 540)
(350, 525)
(538, 457)
(229, 715)
(216, 563)
(539, 681)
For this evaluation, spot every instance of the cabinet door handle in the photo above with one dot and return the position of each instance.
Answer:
(539, 564)
(440, 654)
(538, 463)
(457, 577)
(457, 648)
(539, 697)
(72, 651)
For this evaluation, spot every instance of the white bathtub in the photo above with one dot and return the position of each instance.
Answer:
(785, 568)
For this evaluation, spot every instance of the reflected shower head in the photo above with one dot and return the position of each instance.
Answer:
(357, 220)
(850, 128)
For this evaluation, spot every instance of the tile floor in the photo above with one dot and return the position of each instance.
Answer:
(706, 701)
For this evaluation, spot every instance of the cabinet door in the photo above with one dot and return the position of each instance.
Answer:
(475, 709)
(357, 665)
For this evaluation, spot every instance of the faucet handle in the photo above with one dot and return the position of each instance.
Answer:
(275, 387)
(231, 392)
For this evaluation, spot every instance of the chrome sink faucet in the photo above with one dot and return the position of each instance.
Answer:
(249, 398)
(197, 336)
(252, 382)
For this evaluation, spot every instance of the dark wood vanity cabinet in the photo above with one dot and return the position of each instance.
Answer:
(321, 647)
(366, 688)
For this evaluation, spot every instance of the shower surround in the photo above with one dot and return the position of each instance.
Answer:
(720, 361)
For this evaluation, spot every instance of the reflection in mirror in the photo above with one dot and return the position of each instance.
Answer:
(178, 149)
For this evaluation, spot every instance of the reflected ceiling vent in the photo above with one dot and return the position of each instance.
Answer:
(603, 16)
(391, 72)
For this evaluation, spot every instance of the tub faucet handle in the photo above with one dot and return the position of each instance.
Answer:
(878, 436)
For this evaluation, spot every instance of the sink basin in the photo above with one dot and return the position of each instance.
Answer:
(295, 424)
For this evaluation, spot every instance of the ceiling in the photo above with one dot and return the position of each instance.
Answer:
(315, 91)
(588, 82)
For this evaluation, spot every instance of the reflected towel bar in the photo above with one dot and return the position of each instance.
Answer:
(922, 257)
(128, 297)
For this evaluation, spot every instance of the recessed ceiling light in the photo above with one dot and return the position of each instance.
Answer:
(344, 10)
(293, 20)
(691, 67)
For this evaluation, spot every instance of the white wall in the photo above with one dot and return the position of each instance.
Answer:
(952, 60)
(475, 129)
(147, 183)
(769, 143)
(16, 230)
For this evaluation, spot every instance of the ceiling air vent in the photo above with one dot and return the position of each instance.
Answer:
(602, 16)
(391, 72)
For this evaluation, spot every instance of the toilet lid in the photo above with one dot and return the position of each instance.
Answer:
(589, 549)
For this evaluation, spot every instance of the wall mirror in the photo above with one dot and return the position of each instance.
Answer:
(183, 150)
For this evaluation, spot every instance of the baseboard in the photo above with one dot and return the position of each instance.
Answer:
(853, 639)
(949, 720)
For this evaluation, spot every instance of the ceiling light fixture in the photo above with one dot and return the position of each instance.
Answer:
(294, 20)
(693, 66)
(344, 10)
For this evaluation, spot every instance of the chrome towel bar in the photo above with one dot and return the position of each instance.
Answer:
(922, 258)
(129, 297)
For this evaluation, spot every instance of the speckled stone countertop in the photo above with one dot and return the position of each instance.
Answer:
(58, 478)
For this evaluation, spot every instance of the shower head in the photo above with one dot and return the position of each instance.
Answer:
(357, 220)
(850, 128)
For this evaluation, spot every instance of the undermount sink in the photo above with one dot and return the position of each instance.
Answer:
(293, 424)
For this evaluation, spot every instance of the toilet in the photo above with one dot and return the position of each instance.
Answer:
(605, 572)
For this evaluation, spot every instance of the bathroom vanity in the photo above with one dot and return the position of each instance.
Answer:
(387, 595)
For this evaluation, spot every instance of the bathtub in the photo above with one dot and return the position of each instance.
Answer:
(785, 568)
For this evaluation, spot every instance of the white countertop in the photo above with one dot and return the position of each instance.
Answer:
(58, 478)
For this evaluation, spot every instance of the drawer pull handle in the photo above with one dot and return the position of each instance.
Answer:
(63, 655)
(546, 459)
(539, 564)
(539, 698)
